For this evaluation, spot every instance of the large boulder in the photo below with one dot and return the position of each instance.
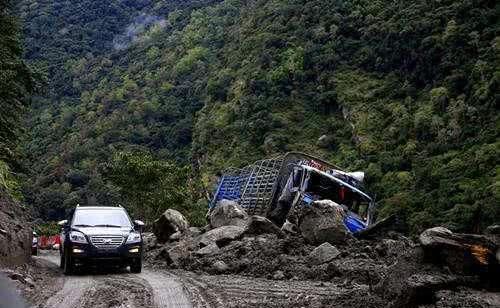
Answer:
(261, 225)
(324, 253)
(221, 235)
(323, 221)
(169, 223)
(462, 253)
(228, 213)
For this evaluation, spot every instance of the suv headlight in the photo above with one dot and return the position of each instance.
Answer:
(77, 237)
(133, 238)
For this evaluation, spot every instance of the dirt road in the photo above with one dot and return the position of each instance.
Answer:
(108, 288)
(159, 288)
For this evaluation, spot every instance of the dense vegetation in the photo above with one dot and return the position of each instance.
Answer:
(146, 100)
(15, 84)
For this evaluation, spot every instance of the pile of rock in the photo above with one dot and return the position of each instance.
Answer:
(401, 271)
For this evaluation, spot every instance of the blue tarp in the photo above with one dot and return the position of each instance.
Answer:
(354, 224)
(229, 188)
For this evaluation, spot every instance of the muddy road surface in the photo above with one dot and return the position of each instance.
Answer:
(101, 288)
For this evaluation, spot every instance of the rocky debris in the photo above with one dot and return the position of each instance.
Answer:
(173, 255)
(461, 253)
(392, 247)
(149, 241)
(323, 254)
(220, 267)
(433, 235)
(221, 235)
(434, 281)
(464, 297)
(211, 249)
(278, 275)
(323, 222)
(393, 270)
(261, 225)
(194, 231)
(175, 237)
(16, 234)
(289, 227)
(228, 213)
(170, 222)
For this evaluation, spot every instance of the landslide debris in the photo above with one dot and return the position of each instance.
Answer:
(394, 270)
(15, 232)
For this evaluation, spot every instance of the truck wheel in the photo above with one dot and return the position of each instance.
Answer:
(136, 266)
(68, 264)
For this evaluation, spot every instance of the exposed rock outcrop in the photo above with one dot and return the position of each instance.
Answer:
(15, 232)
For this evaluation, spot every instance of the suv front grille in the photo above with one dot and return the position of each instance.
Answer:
(105, 241)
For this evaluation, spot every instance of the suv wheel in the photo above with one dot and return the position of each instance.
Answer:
(68, 264)
(136, 266)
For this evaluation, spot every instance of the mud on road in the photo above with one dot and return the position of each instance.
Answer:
(45, 286)
(49, 288)
(94, 288)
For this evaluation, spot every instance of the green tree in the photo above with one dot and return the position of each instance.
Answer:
(151, 186)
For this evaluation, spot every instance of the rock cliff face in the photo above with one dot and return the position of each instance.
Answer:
(15, 232)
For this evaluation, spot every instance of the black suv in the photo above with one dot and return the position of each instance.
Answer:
(96, 234)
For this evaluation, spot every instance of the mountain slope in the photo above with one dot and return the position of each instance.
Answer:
(15, 85)
(407, 91)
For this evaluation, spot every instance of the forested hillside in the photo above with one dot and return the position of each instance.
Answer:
(145, 100)
(15, 85)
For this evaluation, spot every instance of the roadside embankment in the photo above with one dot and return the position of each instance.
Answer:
(15, 232)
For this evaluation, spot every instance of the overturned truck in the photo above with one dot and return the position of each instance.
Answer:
(279, 187)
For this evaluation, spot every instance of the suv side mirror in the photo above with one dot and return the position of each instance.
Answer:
(139, 224)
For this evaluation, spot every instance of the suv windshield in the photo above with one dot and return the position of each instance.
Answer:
(101, 218)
